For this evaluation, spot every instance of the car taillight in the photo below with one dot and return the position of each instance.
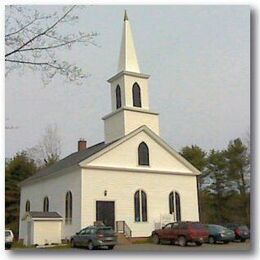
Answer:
(238, 231)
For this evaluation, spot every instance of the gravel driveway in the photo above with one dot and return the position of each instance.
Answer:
(234, 246)
(231, 247)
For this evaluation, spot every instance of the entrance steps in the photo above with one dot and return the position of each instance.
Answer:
(122, 239)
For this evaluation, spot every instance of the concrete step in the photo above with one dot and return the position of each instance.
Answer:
(122, 239)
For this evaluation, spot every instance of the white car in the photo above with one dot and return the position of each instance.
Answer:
(9, 238)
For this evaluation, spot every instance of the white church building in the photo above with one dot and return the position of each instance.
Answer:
(133, 181)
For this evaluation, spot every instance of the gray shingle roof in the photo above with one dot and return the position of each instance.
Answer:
(71, 160)
(41, 214)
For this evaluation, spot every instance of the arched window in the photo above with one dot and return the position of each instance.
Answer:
(68, 208)
(136, 95)
(27, 206)
(175, 205)
(118, 97)
(171, 203)
(140, 203)
(46, 204)
(178, 206)
(143, 154)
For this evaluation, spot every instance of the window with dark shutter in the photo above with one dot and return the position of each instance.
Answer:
(137, 206)
(175, 205)
(143, 154)
(27, 206)
(140, 204)
(144, 206)
(178, 206)
(171, 203)
(136, 95)
(46, 204)
(118, 97)
(68, 208)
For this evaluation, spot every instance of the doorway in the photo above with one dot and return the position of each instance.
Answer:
(105, 212)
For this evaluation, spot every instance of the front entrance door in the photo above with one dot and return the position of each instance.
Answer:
(105, 212)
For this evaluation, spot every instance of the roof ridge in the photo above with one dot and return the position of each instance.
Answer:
(81, 151)
(49, 166)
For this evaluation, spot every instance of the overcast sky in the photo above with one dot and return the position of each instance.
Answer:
(198, 59)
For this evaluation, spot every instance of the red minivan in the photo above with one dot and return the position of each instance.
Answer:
(182, 233)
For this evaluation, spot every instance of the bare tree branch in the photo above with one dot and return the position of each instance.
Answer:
(41, 34)
(28, 62)
(21, 29)
(48, 150)
(55, 46)
(33, 41)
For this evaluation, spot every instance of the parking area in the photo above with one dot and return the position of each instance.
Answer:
(234, 246)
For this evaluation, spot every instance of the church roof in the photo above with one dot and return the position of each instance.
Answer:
(78, 158)
(71, 160)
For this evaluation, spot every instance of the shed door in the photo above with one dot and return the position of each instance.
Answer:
(105, 212)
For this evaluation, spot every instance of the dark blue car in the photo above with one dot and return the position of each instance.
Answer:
(219, 234)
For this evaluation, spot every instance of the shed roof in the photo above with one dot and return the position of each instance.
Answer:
(41, 214)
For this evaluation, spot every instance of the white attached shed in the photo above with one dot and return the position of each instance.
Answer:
(42, 228)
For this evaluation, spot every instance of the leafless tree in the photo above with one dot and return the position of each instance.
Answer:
(48, 150)
(8, 126)
(33, 38)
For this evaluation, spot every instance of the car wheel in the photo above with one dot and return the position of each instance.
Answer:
(110, 247)
(212, 240)
(72, 242)
(7, 246)
(182, 241)
(242, 240)
(225, 242)
(198, 243)
(91, 245)
(156, 239)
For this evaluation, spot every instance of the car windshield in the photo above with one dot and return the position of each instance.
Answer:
(197, 226)
(106, 230)
(244, 228)
(7, 233)
(218, 228)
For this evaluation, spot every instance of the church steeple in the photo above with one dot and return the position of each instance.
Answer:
(127, 59)
(129, 93)
(125, 17)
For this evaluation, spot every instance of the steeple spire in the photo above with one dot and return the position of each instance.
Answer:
(125, 17)
(127, 59)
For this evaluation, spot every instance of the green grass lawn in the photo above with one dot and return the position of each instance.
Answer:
(143, 241)
(18, 245)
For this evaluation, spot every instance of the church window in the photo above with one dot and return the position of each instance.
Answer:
(136, 95)
(118, 97)
(46, 204)
(137, 206)
(143, 154)
(175, 205)
(27, 206)
(68, 207)
(140, 203)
